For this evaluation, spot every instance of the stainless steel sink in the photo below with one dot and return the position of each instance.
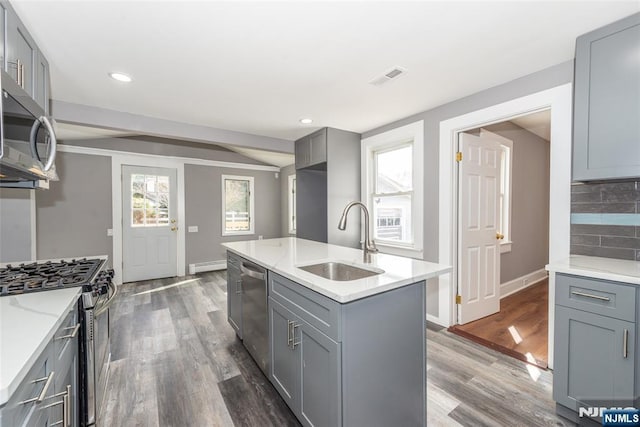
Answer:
(339, 271)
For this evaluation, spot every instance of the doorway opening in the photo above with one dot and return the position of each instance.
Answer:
(503, 236)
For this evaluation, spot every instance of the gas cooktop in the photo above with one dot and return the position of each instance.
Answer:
(44, 276)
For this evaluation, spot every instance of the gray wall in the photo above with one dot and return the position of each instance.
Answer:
(545, 79)
(74, 214)
(165, 147)
(615, 238)
(203, 188)
(15, 224)
(529, 204)
(284, 198)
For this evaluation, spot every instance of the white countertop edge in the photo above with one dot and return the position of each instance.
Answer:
(7, 390)
(342, 298)
(617, 270)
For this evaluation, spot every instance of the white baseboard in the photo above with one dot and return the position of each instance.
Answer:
(207, 266)
(437, 320)
(522, 282)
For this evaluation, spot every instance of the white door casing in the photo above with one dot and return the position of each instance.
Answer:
(149, 246)
(479, 243)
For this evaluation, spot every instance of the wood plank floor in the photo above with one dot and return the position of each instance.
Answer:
(521, 325)
(176, 362)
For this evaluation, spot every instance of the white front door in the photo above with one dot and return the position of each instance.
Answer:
(149, 229)
(479, 240)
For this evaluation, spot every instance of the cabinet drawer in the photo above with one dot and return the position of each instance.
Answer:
(611, 299)
(315, 309)
(65, 340)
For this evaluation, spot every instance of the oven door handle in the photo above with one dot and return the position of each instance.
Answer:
(104, 307)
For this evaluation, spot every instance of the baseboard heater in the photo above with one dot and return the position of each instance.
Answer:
(207, 266)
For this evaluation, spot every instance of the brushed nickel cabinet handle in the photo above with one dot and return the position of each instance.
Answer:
(45, 388)
(293, 337)
(72, 334)
(625, 344)
(598, 297)
(289, 334)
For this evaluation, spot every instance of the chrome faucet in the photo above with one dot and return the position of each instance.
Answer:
(369, 244)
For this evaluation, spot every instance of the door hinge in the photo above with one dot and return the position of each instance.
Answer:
(458, 299)
(459, 156)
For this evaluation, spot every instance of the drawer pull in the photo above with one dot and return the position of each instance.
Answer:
(72, 334)
(625, 344)
(66, 417)
(293, 338)
(43, 393)
(598, 297)
(289, 333)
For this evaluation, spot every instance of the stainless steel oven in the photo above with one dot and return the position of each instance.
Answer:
(95, 350)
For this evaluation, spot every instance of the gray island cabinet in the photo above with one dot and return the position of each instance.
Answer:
(596, 361)
(340, 353)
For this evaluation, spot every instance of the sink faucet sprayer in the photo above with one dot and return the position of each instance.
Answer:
(369, 244)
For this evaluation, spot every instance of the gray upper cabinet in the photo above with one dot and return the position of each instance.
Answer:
(606, 132)
(42, 82)
(327, 178)
(311, 150)
(22, 54)
(21, 58)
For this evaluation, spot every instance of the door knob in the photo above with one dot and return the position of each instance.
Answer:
(174, 228)
(499, 236)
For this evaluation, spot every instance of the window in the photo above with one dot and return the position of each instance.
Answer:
(504, 224)
(392, 177)
(238, 205)
(149, 200)
(292, 204)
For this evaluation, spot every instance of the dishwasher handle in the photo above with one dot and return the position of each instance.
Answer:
(252, 271)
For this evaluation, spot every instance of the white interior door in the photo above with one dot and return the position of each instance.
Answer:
(479, 240)
(149, 229)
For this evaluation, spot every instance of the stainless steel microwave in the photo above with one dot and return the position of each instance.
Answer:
(27, 139)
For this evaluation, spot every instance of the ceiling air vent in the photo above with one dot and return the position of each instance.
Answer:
(388, 75)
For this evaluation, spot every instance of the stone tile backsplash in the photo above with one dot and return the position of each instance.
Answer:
(605, 219)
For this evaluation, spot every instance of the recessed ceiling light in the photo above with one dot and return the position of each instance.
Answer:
(306, 121)
(121, 77)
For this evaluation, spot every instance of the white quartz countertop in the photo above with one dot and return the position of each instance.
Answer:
(618, 270)
(285, 255)
(27, 324)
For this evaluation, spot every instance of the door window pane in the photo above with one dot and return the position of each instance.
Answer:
(149, 200)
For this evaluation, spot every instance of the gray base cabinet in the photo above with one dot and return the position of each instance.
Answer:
(360, 363)
(234, 293)
(54, 377)
(606, 130)
(596, 352)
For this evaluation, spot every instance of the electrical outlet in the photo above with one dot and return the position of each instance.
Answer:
(192, 229)
(259, 237)
(109, 232)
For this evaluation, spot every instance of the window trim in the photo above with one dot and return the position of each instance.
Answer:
(251, 205)
(413, 134)
(292, 220)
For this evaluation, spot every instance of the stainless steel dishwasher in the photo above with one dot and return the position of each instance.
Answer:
(255, 331)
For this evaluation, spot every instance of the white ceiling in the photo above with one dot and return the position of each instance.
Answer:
(537, 123)
(258, 67)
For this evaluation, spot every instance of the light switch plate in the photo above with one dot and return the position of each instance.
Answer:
(109, 232)
(193, 229)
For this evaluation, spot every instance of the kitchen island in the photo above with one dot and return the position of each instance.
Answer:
(339, 352)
